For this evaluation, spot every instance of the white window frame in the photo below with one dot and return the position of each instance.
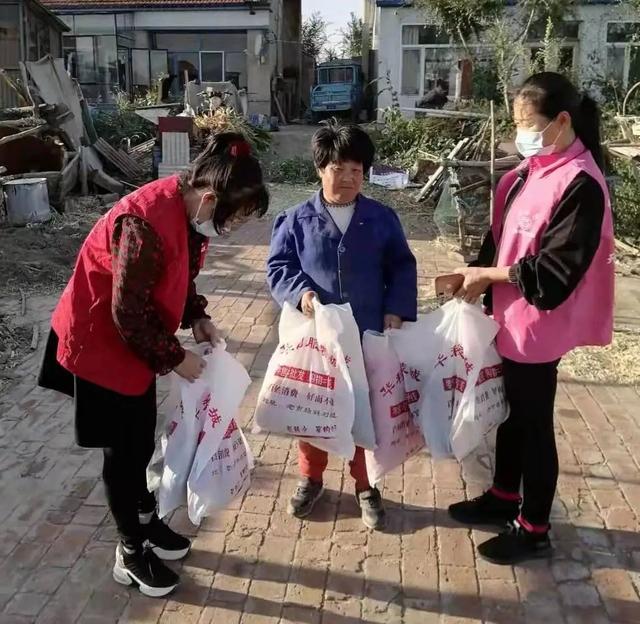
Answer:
(626, 45)
(422, 48)
(224, 69)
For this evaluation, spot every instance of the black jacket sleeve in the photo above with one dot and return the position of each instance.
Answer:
(567, 246)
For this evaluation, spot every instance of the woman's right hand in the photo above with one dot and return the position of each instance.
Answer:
(306, 303)
(191, 367)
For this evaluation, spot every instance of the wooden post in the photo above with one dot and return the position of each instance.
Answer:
(492, 166)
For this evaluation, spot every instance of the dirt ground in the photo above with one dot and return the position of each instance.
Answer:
(35, 261)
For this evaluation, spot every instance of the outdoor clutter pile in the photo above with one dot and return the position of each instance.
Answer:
(460, 188)
(52, 140)
(433, 385)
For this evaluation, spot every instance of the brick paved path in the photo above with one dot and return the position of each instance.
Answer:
(254, 564)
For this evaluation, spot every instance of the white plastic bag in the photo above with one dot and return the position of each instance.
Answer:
(412, 343)
(196, 433)
(463, 335)
(482, 409)
(349, 340)
(397, 432)
(225, 476)
(179, 444)
(307, 390)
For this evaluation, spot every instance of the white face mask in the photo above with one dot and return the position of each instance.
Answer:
(206, 229)
(530, 142)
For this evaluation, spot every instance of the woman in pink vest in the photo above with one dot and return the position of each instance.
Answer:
(114, 330)
(547, 270)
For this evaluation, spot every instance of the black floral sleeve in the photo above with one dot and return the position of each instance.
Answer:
(137, 262)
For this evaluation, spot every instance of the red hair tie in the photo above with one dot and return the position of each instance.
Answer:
(240, 148)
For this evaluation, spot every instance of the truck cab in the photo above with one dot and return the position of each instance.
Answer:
(338, 89)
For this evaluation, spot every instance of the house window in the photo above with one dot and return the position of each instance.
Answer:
(9, 35)
(147, 66)
(335, 75)
(211, 66)
(623, 52)
(93, 60)
(568, 35)
(428, 58)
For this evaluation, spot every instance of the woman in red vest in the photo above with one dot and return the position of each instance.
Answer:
(114, 330)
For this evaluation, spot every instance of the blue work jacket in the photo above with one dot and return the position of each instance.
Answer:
(370, 266)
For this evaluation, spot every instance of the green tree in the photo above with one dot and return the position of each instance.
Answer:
(462, 19)
(351, 42)
(314, 35)
(331, 54)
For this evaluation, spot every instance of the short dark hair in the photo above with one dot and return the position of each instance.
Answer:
(336, 142)
(228, 167)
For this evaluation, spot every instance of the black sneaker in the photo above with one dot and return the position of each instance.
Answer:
(487, 509)
(373, 514)
(515, 546)
(164, 542)
(305, 497)
(142, 567)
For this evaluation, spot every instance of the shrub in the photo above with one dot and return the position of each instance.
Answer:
(122, 124)
(297, 170)
(228, 120)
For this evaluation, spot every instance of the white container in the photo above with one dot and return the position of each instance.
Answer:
(27, 201)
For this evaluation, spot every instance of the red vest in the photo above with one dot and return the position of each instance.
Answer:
(90, 345)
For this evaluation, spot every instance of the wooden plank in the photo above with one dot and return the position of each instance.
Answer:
(444, 114)
(140, 150)
(119, 159)
(21, 135)
(439, 172)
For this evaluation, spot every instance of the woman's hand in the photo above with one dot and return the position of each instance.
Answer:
(306, 303)
(205, 331)
(476, 282)
(392, 321)
(191, 367)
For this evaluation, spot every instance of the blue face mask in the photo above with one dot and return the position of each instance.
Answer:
(531, 142)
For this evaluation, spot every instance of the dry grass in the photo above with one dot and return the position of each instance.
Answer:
(617, 364)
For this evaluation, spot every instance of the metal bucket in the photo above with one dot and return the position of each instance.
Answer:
(27, 201)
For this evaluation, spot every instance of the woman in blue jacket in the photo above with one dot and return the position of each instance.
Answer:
(342, 247)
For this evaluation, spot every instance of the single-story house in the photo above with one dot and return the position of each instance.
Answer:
(28, 31)
(599, 40)
(128, 44)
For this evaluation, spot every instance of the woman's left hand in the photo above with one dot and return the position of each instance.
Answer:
(392, 321)
(205, 331)
(476, 282)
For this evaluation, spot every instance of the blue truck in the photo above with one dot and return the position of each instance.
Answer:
(338, 90)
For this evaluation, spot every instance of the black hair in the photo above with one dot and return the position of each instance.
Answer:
(336, 142)
(551, 94)
(228, 168)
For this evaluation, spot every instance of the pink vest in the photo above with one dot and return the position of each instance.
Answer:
(586, 318)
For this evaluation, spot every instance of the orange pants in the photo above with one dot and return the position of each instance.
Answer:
(312, 463)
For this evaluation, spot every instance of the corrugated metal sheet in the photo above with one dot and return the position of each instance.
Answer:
(175, 148)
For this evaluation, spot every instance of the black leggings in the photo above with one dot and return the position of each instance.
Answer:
(125, 467)
(123, 426)
(526, 446)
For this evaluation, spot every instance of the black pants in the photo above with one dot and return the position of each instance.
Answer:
(526, 446)
(123, 426)
(125, 469)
